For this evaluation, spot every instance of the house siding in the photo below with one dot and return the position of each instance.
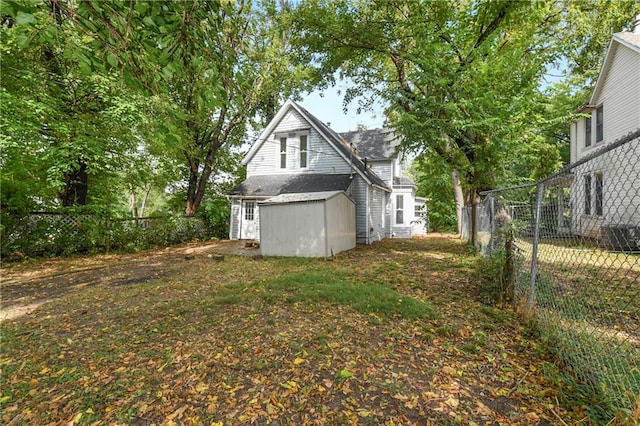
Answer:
(618, 91)
(383, 169)
(620, 192)
(359, 192)
(404, 229)
(620, 95)
(620, 98)
(234, 228)
(321, 156)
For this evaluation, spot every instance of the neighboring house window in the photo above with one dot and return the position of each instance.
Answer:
(303, 151)
(587, 194)
(598, 206)
(599, 124)
(249, 210)
(283, 153)
(399, 209)
(587, 131)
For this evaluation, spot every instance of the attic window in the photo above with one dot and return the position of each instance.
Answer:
(303, 151)
(283, 153)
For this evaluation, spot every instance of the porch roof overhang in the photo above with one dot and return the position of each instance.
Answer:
(272, 185)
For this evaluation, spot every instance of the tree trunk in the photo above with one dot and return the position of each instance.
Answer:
(76, 186)
(459, 197)
(144, 201)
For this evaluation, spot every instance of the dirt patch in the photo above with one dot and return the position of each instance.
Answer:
(28, 286)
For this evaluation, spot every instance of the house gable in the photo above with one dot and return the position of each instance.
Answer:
(614, 106)
(278, 150)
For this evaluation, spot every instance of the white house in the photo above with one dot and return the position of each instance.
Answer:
(605, 191)
(298, 154)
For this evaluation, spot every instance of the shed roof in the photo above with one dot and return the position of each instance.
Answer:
(306, 197)
(271, 185)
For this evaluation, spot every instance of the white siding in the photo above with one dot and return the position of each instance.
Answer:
(620, 95)
(376, 214)
(359, 193)
(404, 229)
(234, 226)
(321, 156)
(383, 169)
(621, 191)
(620, 99)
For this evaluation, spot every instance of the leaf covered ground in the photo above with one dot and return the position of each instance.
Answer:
(392, 333)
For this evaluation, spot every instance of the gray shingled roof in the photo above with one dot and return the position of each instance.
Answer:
(271, 185)
(344, 148)
(374, 144)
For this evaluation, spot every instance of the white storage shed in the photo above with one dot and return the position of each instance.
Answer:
(312, 224)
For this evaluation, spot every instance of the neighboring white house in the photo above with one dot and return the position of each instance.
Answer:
(298, 154)
(605, 191)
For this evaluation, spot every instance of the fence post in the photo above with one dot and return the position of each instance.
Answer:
(492, 222)
(534, 254)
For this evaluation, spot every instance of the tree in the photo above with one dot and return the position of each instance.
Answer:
(218, 65)
(65, 131)
(460, 78)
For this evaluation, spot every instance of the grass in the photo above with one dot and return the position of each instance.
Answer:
(588, 308)
(392, 332)
(326, 285)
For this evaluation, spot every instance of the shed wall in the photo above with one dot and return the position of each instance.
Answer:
(340, 213)
(294, 229)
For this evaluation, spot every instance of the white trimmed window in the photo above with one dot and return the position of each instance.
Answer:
(599, 124)
(587, 194)
(303, 151)
(587, 132)
(399, 209)
(283, 153)
(598, 197)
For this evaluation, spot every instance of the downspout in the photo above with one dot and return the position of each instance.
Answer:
(368, 207)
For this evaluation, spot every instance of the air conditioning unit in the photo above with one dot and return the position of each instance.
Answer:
(623, 237)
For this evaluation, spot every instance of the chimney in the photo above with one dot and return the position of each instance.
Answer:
(329, 124)
(636, 25)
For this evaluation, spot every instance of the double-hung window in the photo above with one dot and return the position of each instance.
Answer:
(587, 194)
(283, 153)
(587, 131)
(598, 184)
(599, 124)
(303, 151)
(399, 209)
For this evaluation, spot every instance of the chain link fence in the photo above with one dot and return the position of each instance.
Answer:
(570, 253)
(54, 233)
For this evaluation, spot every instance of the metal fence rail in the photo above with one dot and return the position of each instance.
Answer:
(576, 241)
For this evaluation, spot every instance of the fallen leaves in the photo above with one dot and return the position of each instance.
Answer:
(164, 352)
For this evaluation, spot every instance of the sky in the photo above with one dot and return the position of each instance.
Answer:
(326, 105)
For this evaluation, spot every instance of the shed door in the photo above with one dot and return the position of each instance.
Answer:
(248, 231)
